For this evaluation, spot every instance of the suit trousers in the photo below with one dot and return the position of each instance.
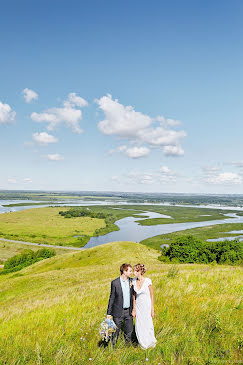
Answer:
(128, 326)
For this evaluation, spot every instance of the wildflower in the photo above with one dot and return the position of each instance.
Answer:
(147, 359)
(90, 359)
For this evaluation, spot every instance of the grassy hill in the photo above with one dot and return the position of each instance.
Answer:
(46, 308)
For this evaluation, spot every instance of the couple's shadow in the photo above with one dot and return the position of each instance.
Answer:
(134, 342)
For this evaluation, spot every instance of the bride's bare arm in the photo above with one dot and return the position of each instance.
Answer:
(152, 300)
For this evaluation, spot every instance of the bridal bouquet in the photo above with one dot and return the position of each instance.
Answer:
(108, 327)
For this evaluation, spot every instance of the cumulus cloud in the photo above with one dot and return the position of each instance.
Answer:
(75, 100)
(54, 157)
(213, 175)
(167, 122)
(68, 114)
(133, 152)
(173, 150)
(137, 152)
(124, 122)
(6, 114)
(44, 138)
(225, 178)
(29, 95)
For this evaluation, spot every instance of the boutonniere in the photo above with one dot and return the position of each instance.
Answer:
(130, 283)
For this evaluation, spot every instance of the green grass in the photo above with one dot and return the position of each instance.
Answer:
(9, 249)
(46, 308)
(45, 225)
(184, 214)
(202, 233)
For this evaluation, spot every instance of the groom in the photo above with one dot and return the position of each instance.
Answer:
(121, 303)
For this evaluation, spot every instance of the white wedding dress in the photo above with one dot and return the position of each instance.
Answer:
(144, 327)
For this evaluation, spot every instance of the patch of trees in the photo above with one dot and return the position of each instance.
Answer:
(77, 212)
(187, 249)
(26, 258)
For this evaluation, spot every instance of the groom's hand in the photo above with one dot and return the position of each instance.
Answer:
(109, 316)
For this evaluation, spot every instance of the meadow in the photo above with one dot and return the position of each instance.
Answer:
(202, 233)
(9, 249)
(45, 225)
(50, 312)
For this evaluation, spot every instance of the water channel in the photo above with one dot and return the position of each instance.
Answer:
(129, 227)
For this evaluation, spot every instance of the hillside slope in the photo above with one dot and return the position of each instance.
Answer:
(50, 312)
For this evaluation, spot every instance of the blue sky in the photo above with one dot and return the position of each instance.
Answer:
(121, 96)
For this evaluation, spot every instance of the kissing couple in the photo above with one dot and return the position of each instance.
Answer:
(133, 298)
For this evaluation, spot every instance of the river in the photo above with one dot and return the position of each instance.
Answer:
(129, 227)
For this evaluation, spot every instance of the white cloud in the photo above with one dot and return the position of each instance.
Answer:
(6, 114)
(44, 138)
(29, 95)
(164, 170)
(167, 122)
(55, 157)
(121, 120)
(225, 178)
(68, 114)
(133, 152)
(124, 122)
(12, 181)
(27, 180)
(75, 100)
(173, 151)
(163, 175)
(213, 175)
(137, 152)
(141, 178)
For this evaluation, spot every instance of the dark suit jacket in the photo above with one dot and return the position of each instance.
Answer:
(115, 305)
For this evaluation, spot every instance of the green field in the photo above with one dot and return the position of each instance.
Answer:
(202, 233)
(9, 249)
(46, 308)
(26, 204)
(45, 225)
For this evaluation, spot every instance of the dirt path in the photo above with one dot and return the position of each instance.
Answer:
(44, 245)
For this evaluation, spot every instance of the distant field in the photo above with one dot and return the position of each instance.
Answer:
(45, 225)
(9, 249)
(26, 204)
(183, 214)
(203, 233)
(50, 312)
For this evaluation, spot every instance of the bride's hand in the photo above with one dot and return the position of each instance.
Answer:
(152, 313)
(134, 313)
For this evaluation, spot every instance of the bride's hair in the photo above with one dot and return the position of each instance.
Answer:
(140, 267)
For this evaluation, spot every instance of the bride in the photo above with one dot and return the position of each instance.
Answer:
(143, 307)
